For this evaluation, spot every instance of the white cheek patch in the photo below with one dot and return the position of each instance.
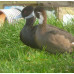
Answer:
(41, 19)
(31, 15)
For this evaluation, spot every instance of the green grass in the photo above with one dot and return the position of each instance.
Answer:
(15, 57)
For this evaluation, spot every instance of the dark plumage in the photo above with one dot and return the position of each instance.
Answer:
(27, 34)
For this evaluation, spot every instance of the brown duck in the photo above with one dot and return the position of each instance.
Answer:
(52, 38)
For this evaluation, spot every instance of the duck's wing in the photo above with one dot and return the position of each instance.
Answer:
(54, 30)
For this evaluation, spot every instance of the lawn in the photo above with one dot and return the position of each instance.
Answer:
(15, 57)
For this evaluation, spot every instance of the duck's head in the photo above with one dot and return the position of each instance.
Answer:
(27, 12)
(40, 13)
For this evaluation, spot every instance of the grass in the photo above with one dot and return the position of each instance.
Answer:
(15, 57)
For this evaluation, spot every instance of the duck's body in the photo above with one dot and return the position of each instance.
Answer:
(27, 34)
(54, 39)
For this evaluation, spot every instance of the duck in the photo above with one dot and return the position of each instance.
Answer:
(27, 34)
(53, 39)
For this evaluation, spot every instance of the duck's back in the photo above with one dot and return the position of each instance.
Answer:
(54, 30)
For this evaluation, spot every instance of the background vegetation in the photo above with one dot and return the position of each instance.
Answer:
(17, 57)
